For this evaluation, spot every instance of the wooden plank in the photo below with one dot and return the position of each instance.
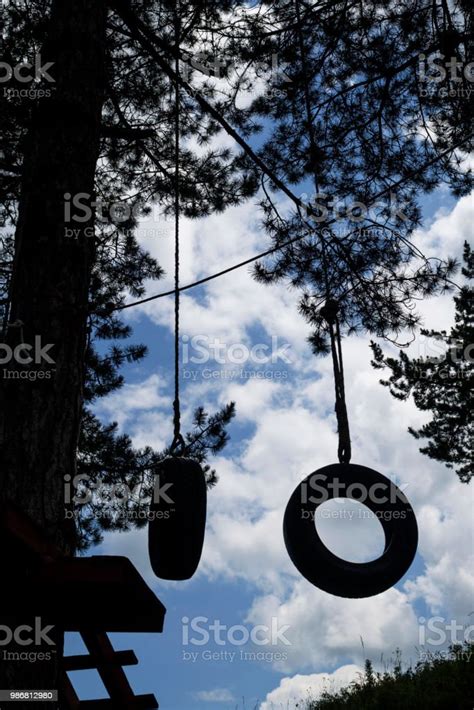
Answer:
(114, 679)
(115, 583)
(86, 662)
(119, 600)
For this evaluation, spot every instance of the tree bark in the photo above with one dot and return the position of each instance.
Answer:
(40, 419)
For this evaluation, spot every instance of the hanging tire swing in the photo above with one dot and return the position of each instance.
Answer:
(386, 501)
(318, 564)
(176, 529)
(177, 520)
(303, 543)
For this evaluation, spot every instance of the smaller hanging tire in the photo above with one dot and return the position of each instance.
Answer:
(318, 564)
(177, 519)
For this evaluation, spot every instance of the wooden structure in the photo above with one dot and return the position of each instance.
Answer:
(119, 601)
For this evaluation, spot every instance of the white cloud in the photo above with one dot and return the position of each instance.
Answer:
(303, 687)
(448, 231)
(325, 630)
(292, 433)
(228, 307)
(135, 400)
(218, 695)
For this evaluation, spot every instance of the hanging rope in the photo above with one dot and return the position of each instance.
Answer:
(344, 446)
(111, 308)
(331, 307)
(330, 313)
(178, 441)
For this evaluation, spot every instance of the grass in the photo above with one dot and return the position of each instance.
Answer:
(437, 683)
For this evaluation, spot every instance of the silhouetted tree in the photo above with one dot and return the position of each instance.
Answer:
(442, 384)
(340, 105)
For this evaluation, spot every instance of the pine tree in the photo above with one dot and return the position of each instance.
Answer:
(349, 129)
(442, 384)
(339, 109)
(134, 170)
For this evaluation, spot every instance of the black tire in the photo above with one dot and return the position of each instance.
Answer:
(329, 572)
(176, 529)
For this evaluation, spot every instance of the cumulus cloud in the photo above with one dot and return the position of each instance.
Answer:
(133, 404)
(217, 695)
(302, 687)
(291, 431)
(326, 630)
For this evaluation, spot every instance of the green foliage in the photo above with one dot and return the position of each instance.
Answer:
(347, 125)
(339, 107)
(117, 479)
(437, 683)
(442, 384)
(136, 171)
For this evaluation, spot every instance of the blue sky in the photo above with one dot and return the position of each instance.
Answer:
(284, 430)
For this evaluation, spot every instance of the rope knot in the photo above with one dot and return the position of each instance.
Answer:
(330, 310)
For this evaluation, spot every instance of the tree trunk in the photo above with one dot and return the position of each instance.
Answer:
(40, 418)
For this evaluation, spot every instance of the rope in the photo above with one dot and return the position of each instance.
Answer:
(300, 204)
(209, 278)
(178, 441)
(152, 43)
(329, 312)
(344, 445)
(331, 306)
